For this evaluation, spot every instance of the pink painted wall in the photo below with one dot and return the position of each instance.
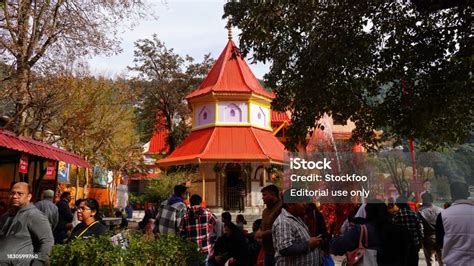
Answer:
(259, 115)
(232, 112)
(204, 114)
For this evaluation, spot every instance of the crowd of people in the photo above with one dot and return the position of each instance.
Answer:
(28, 231)
(288, 233)
(296, 233)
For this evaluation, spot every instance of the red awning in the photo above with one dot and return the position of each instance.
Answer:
(227, 144)
(11, 141)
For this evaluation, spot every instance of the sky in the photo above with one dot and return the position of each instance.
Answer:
(189, 27)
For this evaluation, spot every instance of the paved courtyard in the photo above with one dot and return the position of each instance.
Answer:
(422, 262)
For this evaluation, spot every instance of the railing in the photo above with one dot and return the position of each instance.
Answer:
(232, 199)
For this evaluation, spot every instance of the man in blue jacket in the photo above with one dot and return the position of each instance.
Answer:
(65, 218)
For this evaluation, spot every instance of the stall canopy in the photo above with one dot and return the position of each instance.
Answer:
(18, 143)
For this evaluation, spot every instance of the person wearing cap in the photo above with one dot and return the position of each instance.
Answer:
(49, 208)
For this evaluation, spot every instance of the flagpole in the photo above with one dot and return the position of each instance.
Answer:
(411, 146)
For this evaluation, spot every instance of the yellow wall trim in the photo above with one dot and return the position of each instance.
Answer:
(230, 125)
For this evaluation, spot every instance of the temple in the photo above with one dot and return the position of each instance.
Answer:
(231, 136)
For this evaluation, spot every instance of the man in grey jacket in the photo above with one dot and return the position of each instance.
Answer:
(47, 207)
(25, 233)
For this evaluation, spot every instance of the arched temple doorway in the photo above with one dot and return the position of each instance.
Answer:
(235, 188)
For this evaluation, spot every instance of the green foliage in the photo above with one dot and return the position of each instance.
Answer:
(165, 79)
(136, 199)
(161, 188)
(163, 250)
(382, 64)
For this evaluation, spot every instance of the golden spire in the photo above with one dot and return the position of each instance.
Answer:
(229, 30)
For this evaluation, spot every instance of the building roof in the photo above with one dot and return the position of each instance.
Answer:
(33, 147)
(227, 143)
(158, 144)
(230, 74)
(280, 117)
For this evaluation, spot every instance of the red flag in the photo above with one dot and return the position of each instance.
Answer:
(23, 165)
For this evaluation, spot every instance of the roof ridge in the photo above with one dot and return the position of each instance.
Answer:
(207, 144)
(240, 68)
(224, 63)
(258, 142)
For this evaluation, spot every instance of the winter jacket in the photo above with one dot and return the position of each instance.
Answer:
(50, 210)
(26, 235)
(456, 226)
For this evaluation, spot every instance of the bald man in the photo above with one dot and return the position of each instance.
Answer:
(47, 207)
(25, 233)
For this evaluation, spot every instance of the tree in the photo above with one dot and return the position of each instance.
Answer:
(165, 78)
(38, 37)
(382, 64)
(98, 124)
(161, 188)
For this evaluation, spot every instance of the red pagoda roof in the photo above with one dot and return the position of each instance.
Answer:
(212, 144)
(230, 73)
(158, 144)
(280, 117)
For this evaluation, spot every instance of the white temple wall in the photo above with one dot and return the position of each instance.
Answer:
(260, 116)
(204, 114)
(232, 112)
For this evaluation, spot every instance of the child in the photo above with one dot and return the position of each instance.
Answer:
(240, 222)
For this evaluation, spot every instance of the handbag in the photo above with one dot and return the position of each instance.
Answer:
(362, 256)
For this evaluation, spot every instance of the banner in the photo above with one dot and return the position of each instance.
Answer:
(63, 172)
(51, 168)
(23, 165)
(99, 177)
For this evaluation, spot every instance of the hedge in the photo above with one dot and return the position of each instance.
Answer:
(163, 250)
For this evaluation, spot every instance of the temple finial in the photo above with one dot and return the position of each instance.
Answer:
(229, 30)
